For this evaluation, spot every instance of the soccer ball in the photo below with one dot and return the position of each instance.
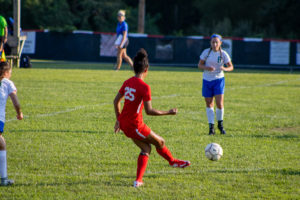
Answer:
(213, 151)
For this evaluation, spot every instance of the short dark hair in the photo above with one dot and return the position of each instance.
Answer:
(4, 67)
(140, 61)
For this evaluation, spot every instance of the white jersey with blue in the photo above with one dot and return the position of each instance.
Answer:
(216, 60)
(6, 88)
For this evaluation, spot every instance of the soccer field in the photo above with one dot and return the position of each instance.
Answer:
(65, 147)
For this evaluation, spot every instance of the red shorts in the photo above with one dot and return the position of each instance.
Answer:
(132, 131)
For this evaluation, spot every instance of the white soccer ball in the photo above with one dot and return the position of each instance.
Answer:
(213, 151)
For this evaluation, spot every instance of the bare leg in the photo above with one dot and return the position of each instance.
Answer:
(2, 143)
(1, 46)
(161, 148)
(127, 59)
(220, 101)
(156, 140)
(144, 146)
(119, 58)
(209, 102)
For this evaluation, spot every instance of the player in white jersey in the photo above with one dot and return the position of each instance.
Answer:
(7, 88)
(212, 61)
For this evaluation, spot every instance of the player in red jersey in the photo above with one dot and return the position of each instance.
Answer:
(137, 95)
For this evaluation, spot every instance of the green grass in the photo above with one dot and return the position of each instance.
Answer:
(65, 147)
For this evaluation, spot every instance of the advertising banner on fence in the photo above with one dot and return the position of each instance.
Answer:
(227, 46)
(164, 49)
(280, 53)
(29, 46)
(107, 45)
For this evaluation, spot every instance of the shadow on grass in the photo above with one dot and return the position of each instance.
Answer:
(42, 184)
(287, 136)
(57, 131)
(292, 172)
(290, 136)
(286, 172)
(104, 66)
(95, 183)
(119, 183)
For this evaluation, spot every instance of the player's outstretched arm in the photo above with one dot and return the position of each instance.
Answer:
(117, 106)
(151, 111)
(15, 101)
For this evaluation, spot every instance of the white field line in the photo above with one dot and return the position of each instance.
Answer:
(167, 96)
(148, 172)
(161, 97)
(59, 112)
(77, 108)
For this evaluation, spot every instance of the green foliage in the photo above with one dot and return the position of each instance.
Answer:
(65, 147)
(95, 15)
(46, 14)
(6, 8)
(251, 18)
(229, 18)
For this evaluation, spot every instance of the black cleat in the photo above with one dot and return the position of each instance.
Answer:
(221, 128)
(6, 182)
(211, 129)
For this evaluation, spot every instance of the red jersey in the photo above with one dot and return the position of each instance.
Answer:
(136, 91)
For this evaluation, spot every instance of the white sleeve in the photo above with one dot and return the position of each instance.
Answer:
(204, 54)
(227, 58)
(11, 87)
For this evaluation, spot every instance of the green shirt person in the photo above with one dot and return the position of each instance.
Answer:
(3, 32)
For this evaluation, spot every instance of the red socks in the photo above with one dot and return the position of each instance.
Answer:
(143, 160)
(141, 167)
(165, 153)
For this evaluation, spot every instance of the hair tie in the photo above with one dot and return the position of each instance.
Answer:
(216, 36)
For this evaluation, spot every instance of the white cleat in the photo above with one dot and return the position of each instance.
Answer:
(137, 184)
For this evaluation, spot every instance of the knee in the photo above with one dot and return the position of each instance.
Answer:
(2, 143)
(209, 104)
(124, 56)
(161, 143)
(220, 105)
(146, 150)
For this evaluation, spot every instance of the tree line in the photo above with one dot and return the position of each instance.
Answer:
(235, 18)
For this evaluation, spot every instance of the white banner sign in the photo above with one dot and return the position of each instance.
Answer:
(280, 53)
(107, 46)
(227, 46)
(29, 46)
(298, 54)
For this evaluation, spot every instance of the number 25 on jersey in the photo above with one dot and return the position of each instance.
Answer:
(129, 93)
